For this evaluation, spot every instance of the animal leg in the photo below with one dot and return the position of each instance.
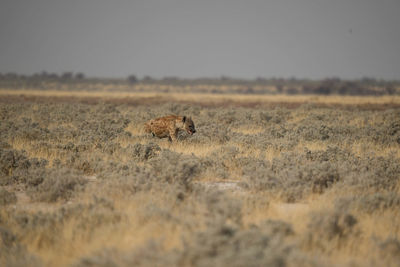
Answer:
(173, 135)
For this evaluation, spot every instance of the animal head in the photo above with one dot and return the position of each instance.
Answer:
(188, 125)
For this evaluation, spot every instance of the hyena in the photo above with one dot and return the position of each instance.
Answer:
(169, 126)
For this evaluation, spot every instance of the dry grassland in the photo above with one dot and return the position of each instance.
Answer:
(265, 181)
(205, 99)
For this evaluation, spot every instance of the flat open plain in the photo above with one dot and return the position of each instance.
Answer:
(267, 180)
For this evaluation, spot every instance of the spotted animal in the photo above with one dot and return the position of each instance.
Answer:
(169, 126)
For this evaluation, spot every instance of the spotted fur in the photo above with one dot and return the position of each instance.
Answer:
(169, 126)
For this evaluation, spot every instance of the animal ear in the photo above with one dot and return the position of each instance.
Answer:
(184, 119)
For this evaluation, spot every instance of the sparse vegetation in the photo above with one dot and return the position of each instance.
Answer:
(69, 81)
(279, 181)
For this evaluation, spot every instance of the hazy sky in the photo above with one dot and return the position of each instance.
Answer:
(244, 39)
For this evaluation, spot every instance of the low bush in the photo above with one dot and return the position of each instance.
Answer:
(371, 203)
(13, 253)
(58, 184)
(7, 198)
(175, 168)
(326, 227)
(143, 152)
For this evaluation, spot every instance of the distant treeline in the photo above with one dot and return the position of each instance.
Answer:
(364, 86)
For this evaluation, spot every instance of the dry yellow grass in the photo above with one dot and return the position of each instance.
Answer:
(214, 98)
(160, 216)
(133, 231)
